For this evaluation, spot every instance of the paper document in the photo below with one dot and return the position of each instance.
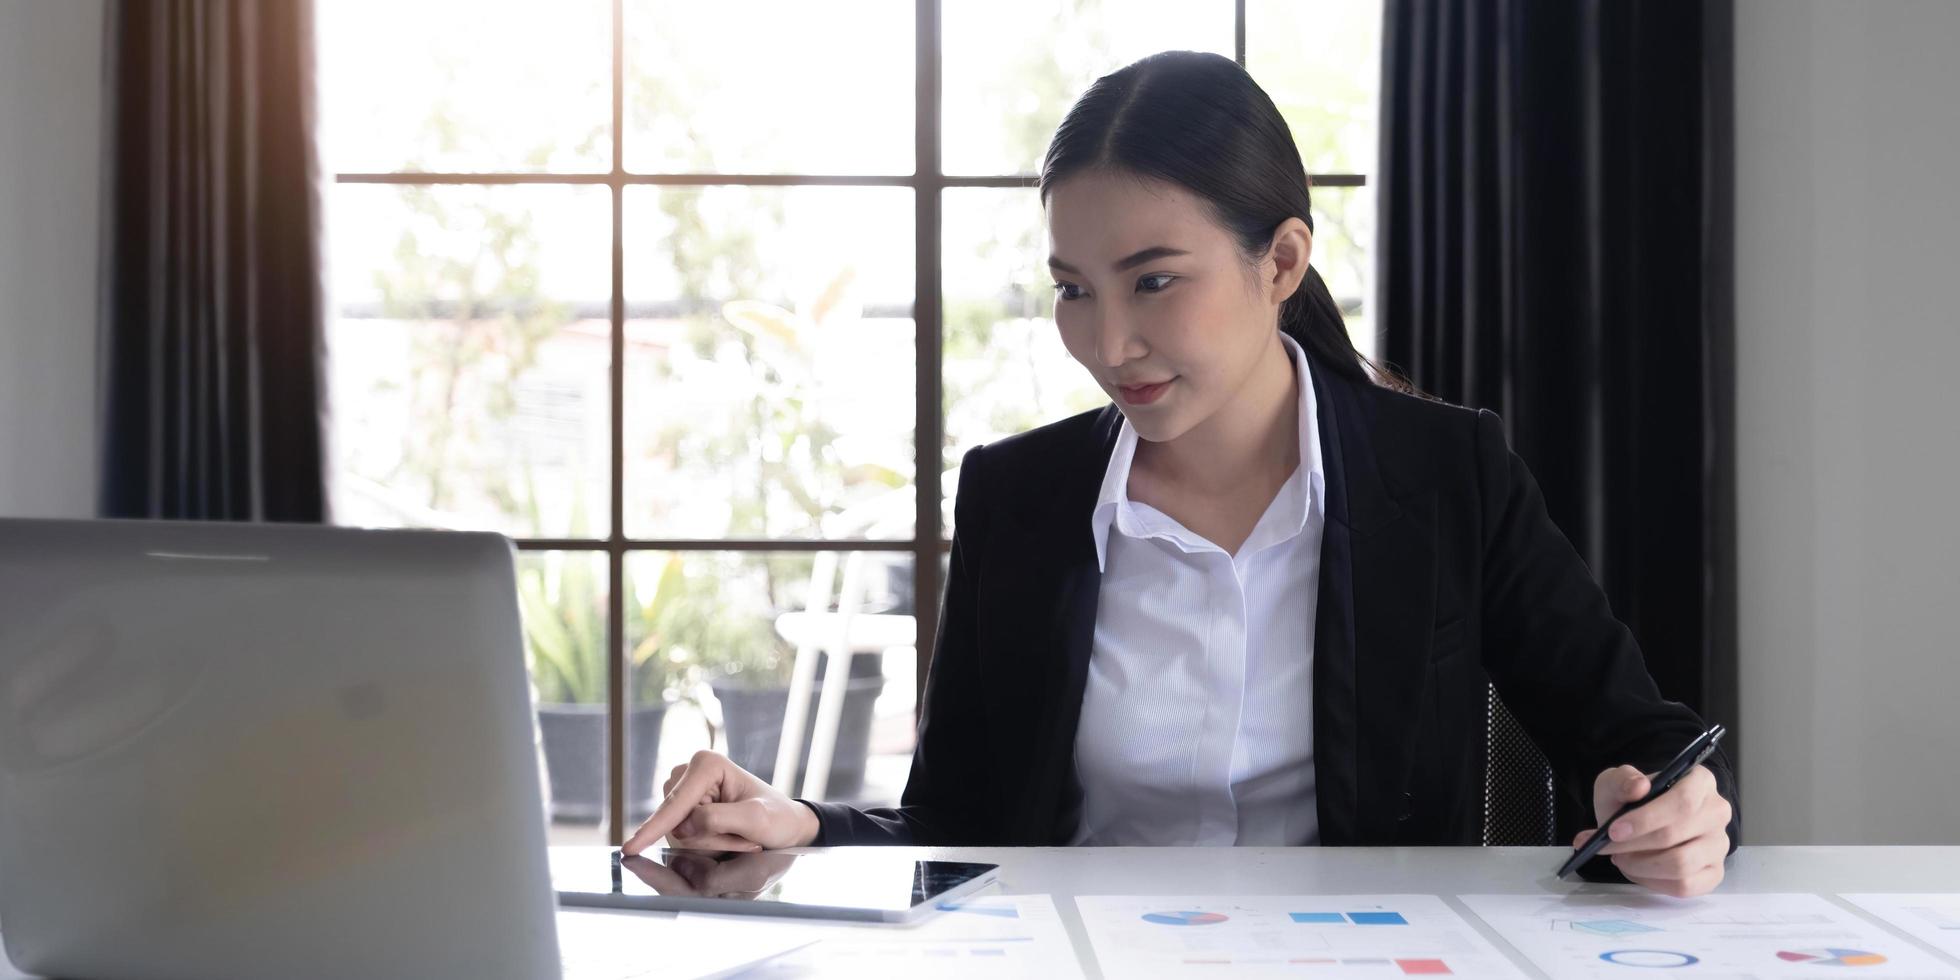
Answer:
(609, 945)
(1762, 937)
(1329, 936)
(983, 937)
(1932, 919)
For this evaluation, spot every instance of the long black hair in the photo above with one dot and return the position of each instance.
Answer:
(1199, 121)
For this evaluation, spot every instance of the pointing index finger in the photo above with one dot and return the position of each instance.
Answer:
(697, 783)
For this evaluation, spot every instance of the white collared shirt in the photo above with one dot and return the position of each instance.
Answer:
(1197, 720)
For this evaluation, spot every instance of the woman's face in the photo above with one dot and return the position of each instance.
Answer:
(1155, 298)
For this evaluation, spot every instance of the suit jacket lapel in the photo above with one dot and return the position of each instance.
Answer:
(1053, 808)
(1371, 626)
(1334, 725)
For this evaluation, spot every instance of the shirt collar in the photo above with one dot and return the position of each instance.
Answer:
(1113, 502)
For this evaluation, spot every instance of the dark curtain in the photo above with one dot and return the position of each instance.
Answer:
(211, 307)
(1555, 187)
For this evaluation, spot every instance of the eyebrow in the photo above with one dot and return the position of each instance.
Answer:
(1150, 254)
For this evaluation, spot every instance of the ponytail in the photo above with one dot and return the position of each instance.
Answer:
(1314, 320)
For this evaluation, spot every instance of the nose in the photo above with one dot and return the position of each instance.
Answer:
(1116, 341)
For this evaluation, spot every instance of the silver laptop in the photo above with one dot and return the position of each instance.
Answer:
(253, 751)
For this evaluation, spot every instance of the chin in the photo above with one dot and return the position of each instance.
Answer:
(1156, 426)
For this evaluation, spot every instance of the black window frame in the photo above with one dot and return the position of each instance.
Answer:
(928, 542)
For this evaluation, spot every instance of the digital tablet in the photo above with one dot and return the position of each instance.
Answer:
(872, 884)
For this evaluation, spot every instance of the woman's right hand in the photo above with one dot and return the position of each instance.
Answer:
(713, 804)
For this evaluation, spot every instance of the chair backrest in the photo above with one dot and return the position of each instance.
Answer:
(1518, 799)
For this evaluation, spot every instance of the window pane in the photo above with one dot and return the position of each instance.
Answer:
(1006, 370)
(1320, 60)
(770, 366)
(469, 357)
(1343, 251)
(563, 598)
(465, 85)
(715, 634)
(770, 86)
(1012, 67)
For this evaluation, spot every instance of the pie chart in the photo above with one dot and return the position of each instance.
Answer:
(1658, 959)
(1832, 957)
(1185, 918)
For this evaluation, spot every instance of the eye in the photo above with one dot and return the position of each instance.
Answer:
(1062, 291)
(1161, 282)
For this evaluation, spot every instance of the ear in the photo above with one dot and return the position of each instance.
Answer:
(1286, 260)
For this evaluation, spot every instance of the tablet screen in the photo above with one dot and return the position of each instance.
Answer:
(867, 880)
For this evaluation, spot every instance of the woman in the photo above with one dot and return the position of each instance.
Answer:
(1257, 600)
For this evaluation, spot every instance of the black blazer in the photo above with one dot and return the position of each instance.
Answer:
(1440, 571)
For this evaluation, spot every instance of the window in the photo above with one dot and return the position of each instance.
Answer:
(701, 303)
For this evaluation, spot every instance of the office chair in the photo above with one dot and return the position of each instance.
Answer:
(1519, 807)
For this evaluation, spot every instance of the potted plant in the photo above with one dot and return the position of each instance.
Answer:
(565, 634)
(749, 678)
(753, 704)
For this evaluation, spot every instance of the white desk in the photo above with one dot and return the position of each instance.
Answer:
(1067, 872)
(1446, 871)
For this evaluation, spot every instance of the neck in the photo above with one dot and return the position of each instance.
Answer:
(1252, 440)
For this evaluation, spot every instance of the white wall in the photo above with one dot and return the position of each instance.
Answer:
(1848, 424)
(50, 160)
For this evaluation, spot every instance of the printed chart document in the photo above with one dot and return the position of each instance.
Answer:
(1762, 937)
(1932, 919)
(980, 938)
(1330, 936)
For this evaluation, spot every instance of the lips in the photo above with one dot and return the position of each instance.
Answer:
(1143, 394)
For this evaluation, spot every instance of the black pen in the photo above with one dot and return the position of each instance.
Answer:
(1664, 780)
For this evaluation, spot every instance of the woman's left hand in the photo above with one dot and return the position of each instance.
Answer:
(1675, 845)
